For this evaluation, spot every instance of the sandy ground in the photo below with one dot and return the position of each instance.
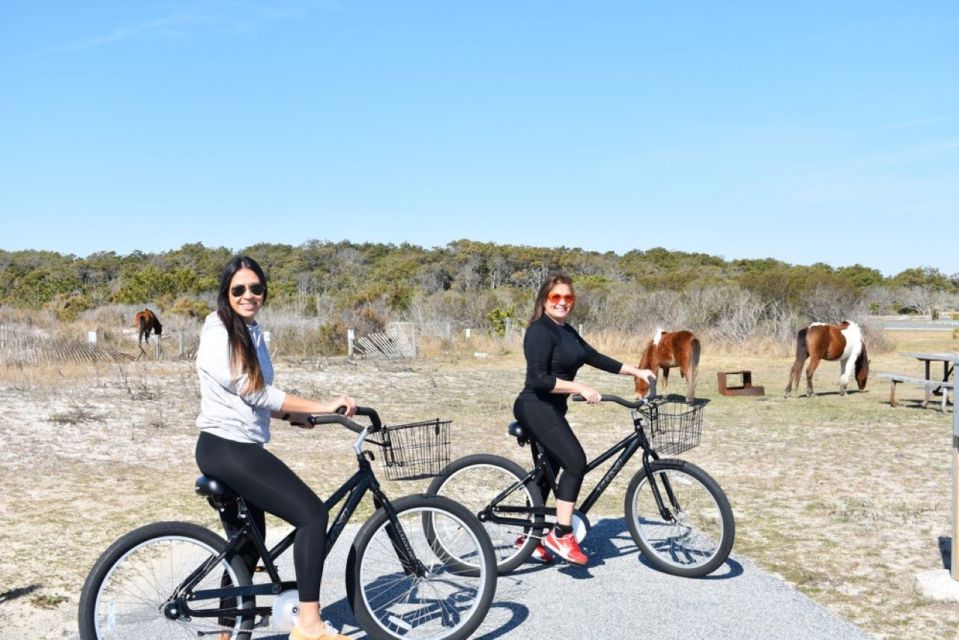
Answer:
(845, 497)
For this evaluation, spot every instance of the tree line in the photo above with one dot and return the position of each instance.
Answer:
(482, 285)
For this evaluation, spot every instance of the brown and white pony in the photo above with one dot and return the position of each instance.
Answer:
(671, 349)
(147, 321)
(821, 341)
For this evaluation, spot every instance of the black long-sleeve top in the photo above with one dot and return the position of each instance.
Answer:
(557, 351)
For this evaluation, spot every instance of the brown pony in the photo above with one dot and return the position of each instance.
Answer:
(147, 321)
(821, 341)
(671, 349)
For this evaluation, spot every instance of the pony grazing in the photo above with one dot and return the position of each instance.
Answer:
(821, 341)
(671, 349)
(146, 321)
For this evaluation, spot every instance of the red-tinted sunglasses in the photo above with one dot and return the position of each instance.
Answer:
(556, 298)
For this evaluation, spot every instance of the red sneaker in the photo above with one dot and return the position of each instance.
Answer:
(539, 553)
(565, 547)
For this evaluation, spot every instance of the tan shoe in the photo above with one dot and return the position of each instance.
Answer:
(296, 634)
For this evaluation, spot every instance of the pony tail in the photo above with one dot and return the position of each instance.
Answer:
(802, 349)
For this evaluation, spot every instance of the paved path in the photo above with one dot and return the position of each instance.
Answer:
(618, 597)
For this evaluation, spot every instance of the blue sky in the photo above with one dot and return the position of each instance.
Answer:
(806, 132)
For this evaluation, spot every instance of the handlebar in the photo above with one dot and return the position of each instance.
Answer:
(355, 427)
(620, 401)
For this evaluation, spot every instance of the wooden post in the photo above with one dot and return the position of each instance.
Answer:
(350, 337)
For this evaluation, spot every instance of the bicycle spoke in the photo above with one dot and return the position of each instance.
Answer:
(475, 486)
(130, 600)
(692, 534)
(433, 604)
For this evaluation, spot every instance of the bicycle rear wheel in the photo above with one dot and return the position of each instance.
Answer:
(695, 534)
(127, 592)
(474, 481)
(434, 598)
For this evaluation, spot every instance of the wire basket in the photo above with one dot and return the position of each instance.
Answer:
(672, 426)
(416, 450)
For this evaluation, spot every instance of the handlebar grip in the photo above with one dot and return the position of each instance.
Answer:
(610, 398)
(340, 419)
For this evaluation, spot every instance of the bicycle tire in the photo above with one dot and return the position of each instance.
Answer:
(125, 591)
(698, 536)
(474, 481)
(392, 602)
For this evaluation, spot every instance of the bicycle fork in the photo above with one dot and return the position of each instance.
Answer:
(394, 531)
(664, 511)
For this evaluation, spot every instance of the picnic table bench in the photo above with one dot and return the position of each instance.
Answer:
(929, 386)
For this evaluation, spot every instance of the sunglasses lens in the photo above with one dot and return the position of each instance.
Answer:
(556, 298)
(256, 289)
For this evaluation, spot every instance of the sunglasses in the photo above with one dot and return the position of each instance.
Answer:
(256, 289)
(556, 298)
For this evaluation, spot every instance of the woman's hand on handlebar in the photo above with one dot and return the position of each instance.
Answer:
(294, 405)
(345, 405)
(591, 395)
(645, 374)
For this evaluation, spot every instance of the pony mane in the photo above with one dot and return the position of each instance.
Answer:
(853, 333)
(658, 335)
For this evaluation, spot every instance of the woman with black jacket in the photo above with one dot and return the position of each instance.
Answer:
(554, 353)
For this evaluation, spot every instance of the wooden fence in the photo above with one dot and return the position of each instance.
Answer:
(397, 341)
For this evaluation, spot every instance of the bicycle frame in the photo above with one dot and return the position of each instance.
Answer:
(628, 445)
(351, 493)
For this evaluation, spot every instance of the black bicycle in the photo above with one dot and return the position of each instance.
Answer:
(420, 566)
(677, 514)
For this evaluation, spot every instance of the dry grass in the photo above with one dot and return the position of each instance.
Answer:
(845, 497)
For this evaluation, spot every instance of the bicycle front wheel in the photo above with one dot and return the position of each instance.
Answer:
(131, 587)
(475, 481)
(692, 534)
(426, 595)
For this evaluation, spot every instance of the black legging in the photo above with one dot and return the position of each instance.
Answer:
(548, 425)
(267, 484)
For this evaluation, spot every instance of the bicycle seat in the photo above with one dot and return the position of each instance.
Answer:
(212, 488)
(517, 430)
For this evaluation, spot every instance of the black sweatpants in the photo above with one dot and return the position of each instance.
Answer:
(547, 423)
(268, 485)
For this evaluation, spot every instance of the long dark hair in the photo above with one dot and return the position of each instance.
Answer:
(553, 279)
(242, 350)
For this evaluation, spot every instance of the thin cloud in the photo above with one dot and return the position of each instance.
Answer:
(176, 26)
(908, 124)
(229, 17)
(921, 153)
